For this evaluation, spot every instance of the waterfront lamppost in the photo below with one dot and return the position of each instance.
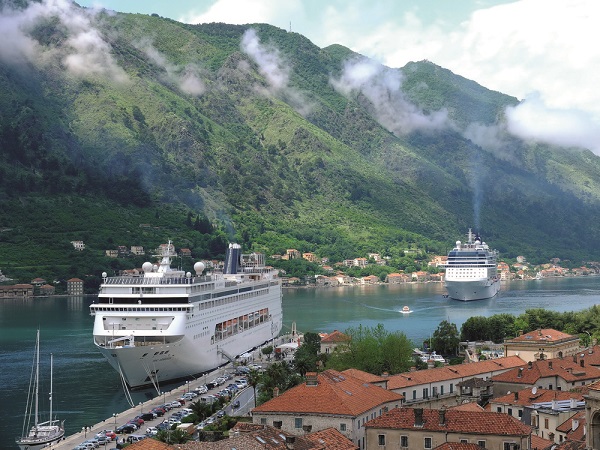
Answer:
(115, 418)
(140, 407)
(187, 386)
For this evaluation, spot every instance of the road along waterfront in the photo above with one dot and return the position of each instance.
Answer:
(87, 390)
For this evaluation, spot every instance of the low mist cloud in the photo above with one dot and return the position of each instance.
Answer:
(187, 79)
(383, 88)
(84, 52)
(276, 71)
(533, 120)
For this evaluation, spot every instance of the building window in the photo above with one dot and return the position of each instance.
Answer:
(298, 422)
(414, 395)
(510, 411)
(464, 441)
(342, 427)
(425, 392)
(520, 414)
(381, 439)
(263, 420)
(546, 423)
(481, 444)
(451, 388)
(499, 409)
(442, 389)
(428, 442)
(404, 441)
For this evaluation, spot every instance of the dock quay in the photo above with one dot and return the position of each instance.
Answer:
(114, 421)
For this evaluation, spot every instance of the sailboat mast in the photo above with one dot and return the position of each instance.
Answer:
(51, 371)
(37, 376)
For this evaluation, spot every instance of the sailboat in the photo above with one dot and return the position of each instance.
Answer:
(41, 434)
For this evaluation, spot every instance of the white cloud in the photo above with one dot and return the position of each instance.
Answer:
(276, 71)
(84, 52)
(534, 120)
(383, 88)
(187, 79)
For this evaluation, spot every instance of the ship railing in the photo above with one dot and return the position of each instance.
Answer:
(163, 280)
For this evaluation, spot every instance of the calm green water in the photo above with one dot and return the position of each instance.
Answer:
(87, 390)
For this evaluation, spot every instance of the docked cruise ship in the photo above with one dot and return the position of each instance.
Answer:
(166, 324)
(471, 270)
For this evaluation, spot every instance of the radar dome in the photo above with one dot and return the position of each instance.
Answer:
(104, 274)
(147, 267)
(199, 267)
(458, 243)
(155, 267)
(188, 274)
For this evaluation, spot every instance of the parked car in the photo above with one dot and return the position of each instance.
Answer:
(221, 414)
(127, 428)
(151, 431)
(148, 416)
(236, 404)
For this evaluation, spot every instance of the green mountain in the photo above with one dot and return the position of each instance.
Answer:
(131, 119)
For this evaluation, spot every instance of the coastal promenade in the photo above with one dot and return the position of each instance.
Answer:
(111, 423)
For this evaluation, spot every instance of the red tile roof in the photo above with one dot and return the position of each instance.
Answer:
(457, 446)
(466, 422)
(335, 336)
(418, 377)
(331, 439)
(562, 368)
(364, 376)
(545, 335)
(574, 427)
(334, 393)
(526, 397)
(538, 443)
(149, 444)
(471, 406)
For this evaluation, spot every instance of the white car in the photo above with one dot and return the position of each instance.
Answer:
(151, 431)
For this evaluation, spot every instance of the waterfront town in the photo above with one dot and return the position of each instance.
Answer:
(541, 392)
(431, 270)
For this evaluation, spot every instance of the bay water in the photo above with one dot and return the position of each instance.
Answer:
(87, 390)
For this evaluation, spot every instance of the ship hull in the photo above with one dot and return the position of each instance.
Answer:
(161, 363)
(467, 291)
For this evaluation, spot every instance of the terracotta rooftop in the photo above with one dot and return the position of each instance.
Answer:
(457, 446)
(466, 422)
(471, 406)
(331, 439)
(364, 376)
(334, 393)
(564, 368)
(542, 335)
(266, 437)
(335, 336)
(526, 397)
(574, 427)
(570, 445)
(149, 444)
(418, 377)
(538, 443)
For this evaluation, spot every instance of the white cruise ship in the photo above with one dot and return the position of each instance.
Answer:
(167, 325)
(471, 270)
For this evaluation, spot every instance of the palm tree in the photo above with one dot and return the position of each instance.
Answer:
(254, 378)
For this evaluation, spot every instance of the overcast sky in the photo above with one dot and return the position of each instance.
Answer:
(545, 52)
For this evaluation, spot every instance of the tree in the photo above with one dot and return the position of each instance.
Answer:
(305, 358)
(373, 350)
(176, 436)
(254, 379)
(445, 338)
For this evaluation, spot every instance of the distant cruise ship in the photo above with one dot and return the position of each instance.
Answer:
(471, 270)
(167, 324)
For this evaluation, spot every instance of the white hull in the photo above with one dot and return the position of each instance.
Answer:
(472, 290)
(168, 325)
(46, 436)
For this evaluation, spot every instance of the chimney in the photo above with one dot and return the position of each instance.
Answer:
(574, 424)
(520, 332)
(529, 365)
(442, 416)
(311, 379)
(418, 417)
(550, 365)
(275, 392)
(520, 374)
(307, 428)
(385, 374)
(539, 331)
(516, 396)
(289, 442)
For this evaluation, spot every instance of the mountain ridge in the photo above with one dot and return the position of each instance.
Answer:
(282, 144)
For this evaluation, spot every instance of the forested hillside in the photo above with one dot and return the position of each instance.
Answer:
(279, 143)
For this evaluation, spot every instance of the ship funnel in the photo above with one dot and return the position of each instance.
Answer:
(232, 258)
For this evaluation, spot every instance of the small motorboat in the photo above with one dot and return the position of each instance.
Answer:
(405, 310)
